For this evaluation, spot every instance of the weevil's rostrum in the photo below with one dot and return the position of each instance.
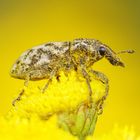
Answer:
(41, 61)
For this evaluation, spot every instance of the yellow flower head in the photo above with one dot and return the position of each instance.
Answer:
(63, 106)
(68, 99)
(60, 96)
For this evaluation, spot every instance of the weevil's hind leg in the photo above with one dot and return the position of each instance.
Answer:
(22, 91)
(87, 77)
(48, 82)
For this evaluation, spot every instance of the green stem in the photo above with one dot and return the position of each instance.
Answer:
(81, 137)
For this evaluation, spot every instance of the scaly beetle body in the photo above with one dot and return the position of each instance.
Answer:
(45, 61)
(40, 61)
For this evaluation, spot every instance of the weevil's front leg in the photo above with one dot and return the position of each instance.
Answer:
(103, 78)
(22, 91)
(100, 76)
(86, 76)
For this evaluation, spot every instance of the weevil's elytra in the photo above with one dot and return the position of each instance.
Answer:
(46, 60)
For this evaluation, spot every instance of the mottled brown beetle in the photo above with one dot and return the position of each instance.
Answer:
(46, 61)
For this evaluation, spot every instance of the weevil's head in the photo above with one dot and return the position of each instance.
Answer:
(105, 51)
(94, 50)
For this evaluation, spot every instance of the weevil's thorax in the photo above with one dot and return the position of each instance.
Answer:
(86, 51)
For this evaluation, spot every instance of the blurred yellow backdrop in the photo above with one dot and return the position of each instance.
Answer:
(26, 23)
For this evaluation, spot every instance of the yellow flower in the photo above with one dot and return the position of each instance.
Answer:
(17, 128)
(62, 112)
(60, 96)
(118, 133)
(68, 99)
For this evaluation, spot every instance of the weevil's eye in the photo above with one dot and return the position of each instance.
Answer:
(102, 50)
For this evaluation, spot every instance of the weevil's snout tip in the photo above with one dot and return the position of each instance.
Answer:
(131, 51)
(116, 62)
(121, 64)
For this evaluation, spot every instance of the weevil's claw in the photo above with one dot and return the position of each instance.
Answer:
(44, 89)
(13, 102)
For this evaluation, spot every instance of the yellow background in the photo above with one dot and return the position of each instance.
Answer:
(27, 23)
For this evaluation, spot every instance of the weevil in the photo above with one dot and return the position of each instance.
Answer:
(47, 60)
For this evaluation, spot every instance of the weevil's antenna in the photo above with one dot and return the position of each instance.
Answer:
(126, 51)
